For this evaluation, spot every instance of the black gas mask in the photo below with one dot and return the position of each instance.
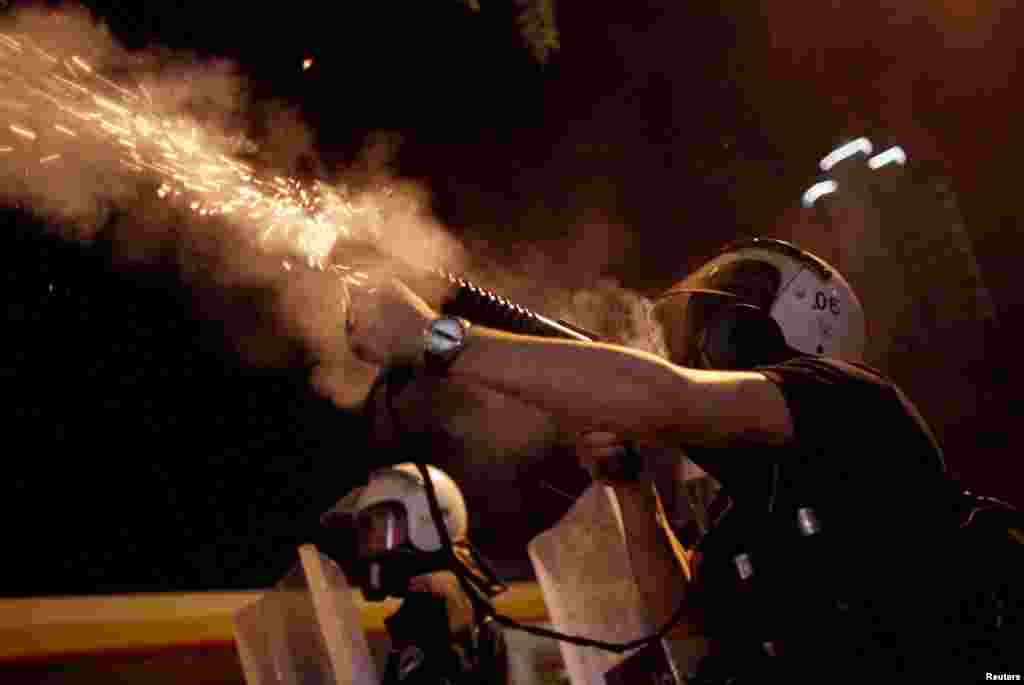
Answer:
(384, 559)
(388, 574)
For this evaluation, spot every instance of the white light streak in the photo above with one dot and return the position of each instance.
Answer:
(22, 131)
(894, 155)
(818, 190)
(844, 151)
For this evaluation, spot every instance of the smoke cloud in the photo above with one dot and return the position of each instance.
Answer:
(167, 155)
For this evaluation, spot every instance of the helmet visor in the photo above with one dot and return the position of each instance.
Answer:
(381, 528)
(751, 281)
(685, 310)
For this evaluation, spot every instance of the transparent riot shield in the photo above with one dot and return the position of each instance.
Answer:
(306, 630)
(583, 568)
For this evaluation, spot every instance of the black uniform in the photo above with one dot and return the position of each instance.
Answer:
(864, 596)
(424, 651)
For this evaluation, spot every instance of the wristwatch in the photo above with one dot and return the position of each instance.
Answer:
(443, 340)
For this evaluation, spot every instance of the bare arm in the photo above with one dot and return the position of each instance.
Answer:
(596, 386)
(625, 391)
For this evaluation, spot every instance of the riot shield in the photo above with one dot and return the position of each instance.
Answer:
(583, 567)
(306, 630)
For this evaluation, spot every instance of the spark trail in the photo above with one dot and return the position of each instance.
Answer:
(62, 113)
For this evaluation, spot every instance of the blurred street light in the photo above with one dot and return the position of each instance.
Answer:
(894, 155)
(817, 190)
(860, 145)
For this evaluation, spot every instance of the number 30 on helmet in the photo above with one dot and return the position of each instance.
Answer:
(756, 300)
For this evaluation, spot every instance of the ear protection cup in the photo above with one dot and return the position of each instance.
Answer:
(739, 336)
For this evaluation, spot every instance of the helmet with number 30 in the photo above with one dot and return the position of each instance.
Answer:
(757, 297)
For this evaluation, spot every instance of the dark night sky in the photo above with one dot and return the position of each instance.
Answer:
(143, 454)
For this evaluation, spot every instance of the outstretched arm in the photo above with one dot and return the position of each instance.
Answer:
(635, 394)
(630, 392)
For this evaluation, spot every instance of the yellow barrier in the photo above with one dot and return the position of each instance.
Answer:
(52, 628)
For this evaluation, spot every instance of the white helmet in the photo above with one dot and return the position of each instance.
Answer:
(402, 486)
(812, 305)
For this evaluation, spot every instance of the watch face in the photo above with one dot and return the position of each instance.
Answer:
(446, 335)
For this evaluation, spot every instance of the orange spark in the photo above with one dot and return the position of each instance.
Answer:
(23, 132)
(81, 63)
(188, 162)
(10, 42)
(45, 55)
(107, 104)
(116, 130)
